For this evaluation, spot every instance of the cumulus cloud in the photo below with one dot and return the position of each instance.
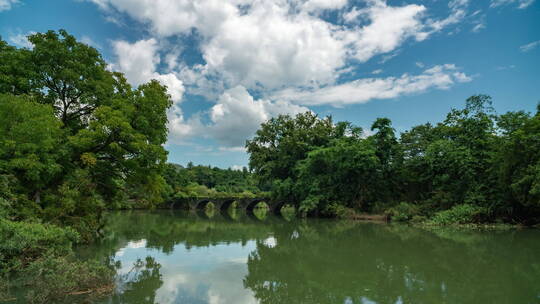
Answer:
(233, 119)
(272, 44)
(388, 27)
(530, 46)
(364, 90)
(267, 47)
(521, 3)
(315, 5)
(237, 115)
(169, 17)
(21, 40)
(282, 49)
(6, 5)
(138, 61)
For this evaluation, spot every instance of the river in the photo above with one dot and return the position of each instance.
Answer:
(175, 257)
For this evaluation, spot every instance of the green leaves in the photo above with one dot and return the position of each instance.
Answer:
(29, 140)
(75, 134)
(473, 158)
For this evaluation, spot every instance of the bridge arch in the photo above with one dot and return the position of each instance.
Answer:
(201, 205)
(253, 203)
(228, 203)
(277, 208)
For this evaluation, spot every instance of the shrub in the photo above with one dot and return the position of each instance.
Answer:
(403, 212)
(5, 206)
(24, 242)
(41, 255)
(340, 211)
(460, 214)
(4, 289)
(59, 279)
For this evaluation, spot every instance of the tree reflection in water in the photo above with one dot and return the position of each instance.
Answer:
(139, 285)
(370, 263)
(316, 261)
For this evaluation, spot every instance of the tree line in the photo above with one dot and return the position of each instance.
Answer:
(475, 166)
(76, 139)
(207, 181)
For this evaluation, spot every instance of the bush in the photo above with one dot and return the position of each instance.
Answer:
(5, 207)
(4, 289)
(41, 256)
(24, 242)
(340, 211)
(57, 279)
(403, 212)
(460, 214)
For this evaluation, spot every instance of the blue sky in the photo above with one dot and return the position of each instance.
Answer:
(230, 65)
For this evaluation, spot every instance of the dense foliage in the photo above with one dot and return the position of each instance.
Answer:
(75, 139)
(476, 164)
(207, 181)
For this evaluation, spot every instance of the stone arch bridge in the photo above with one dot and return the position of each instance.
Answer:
(248, 204)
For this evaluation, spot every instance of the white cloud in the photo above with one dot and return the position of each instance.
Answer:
(233, 119)
(364, 90)
(138, 62)
(377, 71)
(238, 168)
(521, 3)
(253, 49)
(389, 27)
(530, 46)
(273, 44)
(6, 5)
(478, 27)
(420, 64)
(458, 12)
(237, 115)
(89, 41)
(180, 129)
(21, 40)
(315, 5)
(169, 17)
(273, 48)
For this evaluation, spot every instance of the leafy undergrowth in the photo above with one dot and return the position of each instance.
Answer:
(460, 214)
(40, 256)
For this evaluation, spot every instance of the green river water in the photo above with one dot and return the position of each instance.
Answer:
(193, 258)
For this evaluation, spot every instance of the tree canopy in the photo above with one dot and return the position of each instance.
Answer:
(474, 157)
(75, 136)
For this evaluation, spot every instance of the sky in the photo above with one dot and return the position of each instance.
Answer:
(230, 65)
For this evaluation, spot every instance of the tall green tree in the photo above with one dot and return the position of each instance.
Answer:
(282, 142)
(345, 174)
(97, 139)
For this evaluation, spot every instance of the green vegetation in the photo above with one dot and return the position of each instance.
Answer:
(475, 166)
(205, 181)
(75, 139)
(460, 214)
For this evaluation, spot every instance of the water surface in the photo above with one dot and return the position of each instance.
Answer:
(173, 257)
